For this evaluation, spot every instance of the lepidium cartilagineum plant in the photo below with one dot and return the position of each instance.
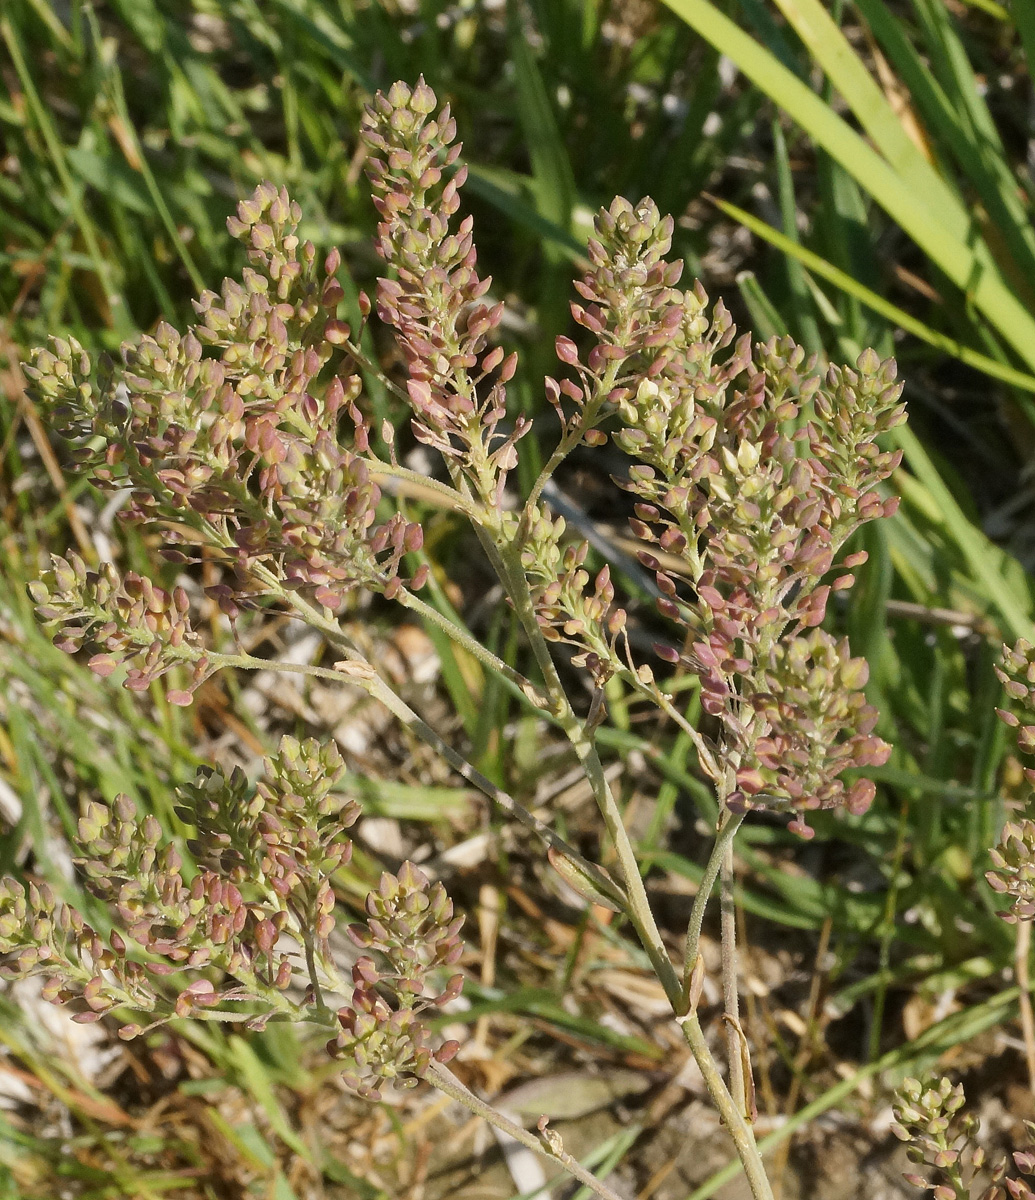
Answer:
(245, 438)
(930, 1116)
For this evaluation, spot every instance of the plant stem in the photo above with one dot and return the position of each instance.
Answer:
(507, 562)
(635, 902)
(419, 486)
(1022, 959)
(471, 644)
(638, 904)
(448, 1083)
(567, 443)
(729, 1110)
(638, 908)
(729, 823)
(664, 702)
(730, 997)
(310, 962)
(356, 670)
(377, 688)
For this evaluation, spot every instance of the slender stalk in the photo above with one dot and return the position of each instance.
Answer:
(310, 963)
(729, 1110)
(1022, 961)
(512, 575)
(462, 638)
(637, 903)
(664, 702)
(634, 900)
(380, 690)
(448, 1083)
(729, 823)
(419, 486)
(569, 440)
(566, 445)
(358, 671)
(730, 994)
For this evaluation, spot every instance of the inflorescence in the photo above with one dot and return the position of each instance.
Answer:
(244, 439)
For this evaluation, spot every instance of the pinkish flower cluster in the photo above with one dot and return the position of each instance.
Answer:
(287, 836)
(243, 928)
(567, 611)
(1013, 869)
(809, 722)
(1017, 675)
(941, 1137)
(930, 1119)
(128, 621)
(411, 928)
(410, 922)
(1013, 859)
(435, 302)
(196, 929)
(40, 936)
(241, 449)
(382, 1045)
(750, 470)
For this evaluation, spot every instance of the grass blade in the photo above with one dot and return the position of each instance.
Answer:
(929, 215)
(875, 302)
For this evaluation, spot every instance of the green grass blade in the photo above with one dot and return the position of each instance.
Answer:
(504, 191)
(955, 247)
(766, 320)
(980, 555)
(555, 184)
(1023, 16)
(898, 316)
(801, 300)
(846, 71)
(116, 306)
(965, 129)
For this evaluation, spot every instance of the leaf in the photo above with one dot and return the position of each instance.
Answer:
(578, 878)
(905, 185)
(877, 303)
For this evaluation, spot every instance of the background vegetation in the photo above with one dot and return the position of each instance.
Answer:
(852, 176)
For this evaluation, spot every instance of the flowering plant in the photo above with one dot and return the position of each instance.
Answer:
(930, 1116)
(245, 439)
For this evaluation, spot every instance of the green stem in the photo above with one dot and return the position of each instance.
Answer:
(588, 419)
(310, 963)
(664, 702)
(471, 644)
(355, 669)
(377, 688)
(563, 449)
(448, 1083)
(449, 497)
(507, 563)
(736, 1046)
(729, 823)
(638, 904)
(739, 1130)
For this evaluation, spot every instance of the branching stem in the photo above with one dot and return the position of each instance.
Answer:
(730, 995)
(729, 823)
(738, 1128)
(448, 1083)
